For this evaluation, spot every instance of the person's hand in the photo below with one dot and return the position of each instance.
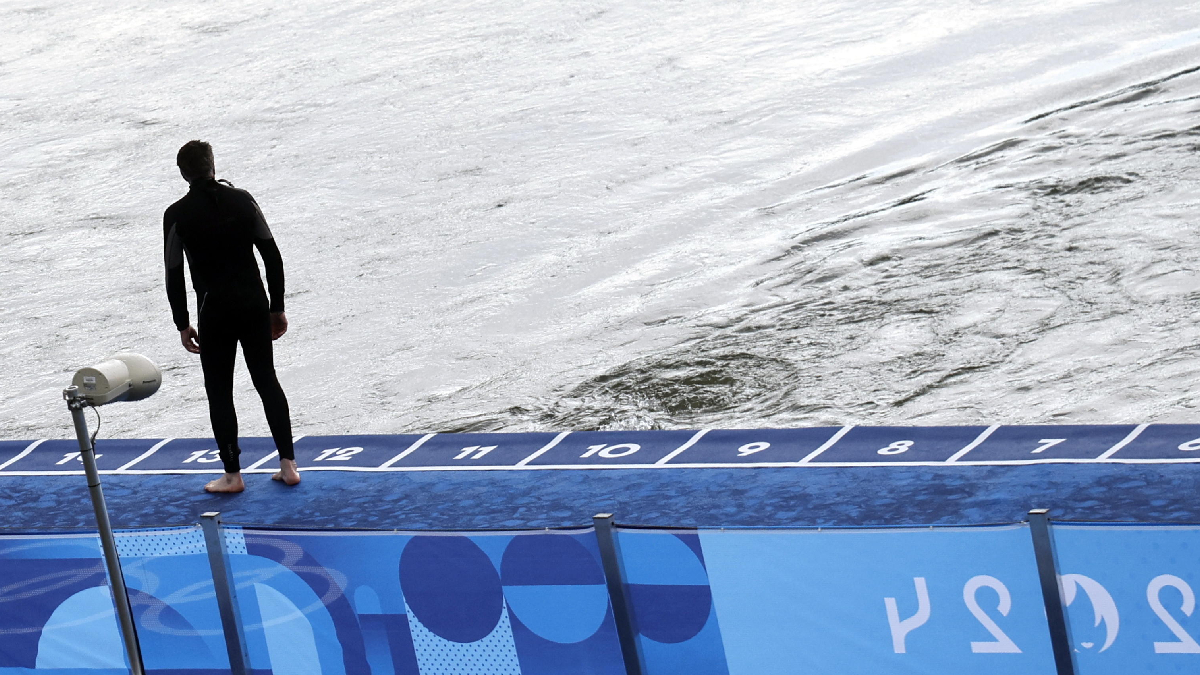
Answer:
(188, 337)
(278, 324)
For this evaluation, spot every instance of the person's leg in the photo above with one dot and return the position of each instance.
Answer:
(218, 348)
(260, 361)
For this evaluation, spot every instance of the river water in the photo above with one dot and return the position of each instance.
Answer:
(600, 214)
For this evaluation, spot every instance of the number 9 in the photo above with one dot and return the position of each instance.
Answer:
(751, 448)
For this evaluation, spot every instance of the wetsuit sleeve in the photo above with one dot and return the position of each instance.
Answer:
(272, 260)
(173, 257)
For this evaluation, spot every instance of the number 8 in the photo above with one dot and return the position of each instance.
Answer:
(896, 448)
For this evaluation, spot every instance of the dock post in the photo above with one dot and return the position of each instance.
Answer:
(610, 555)
(1047, 566)
(223, 584)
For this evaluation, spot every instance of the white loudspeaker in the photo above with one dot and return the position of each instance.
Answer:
(121, 377)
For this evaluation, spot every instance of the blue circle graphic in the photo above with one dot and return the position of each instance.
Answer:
(548, 560)
(670, 613)
(451, 586)
(667, 585)
(554, 586)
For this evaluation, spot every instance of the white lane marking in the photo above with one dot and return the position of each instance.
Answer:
(973, 444)
(274, 453)
(21, 455)
(408, 451)
(1137, 431)
(691, 441)
(827, 444)
(153, 449)
(542, 450)
(264, 460)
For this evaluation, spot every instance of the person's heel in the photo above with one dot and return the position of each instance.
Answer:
(288, 472)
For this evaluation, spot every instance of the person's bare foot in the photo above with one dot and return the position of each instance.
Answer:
(288, 472)
(230, 482)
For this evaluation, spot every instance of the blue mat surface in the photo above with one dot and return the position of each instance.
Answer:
(720, 478)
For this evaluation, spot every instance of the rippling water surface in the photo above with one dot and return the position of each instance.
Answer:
(599, 214)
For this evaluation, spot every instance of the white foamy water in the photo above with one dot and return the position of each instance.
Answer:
(600, 214)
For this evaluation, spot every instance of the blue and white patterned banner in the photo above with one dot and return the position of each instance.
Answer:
(934, 601)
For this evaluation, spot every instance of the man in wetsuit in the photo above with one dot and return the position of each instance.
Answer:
(217, 227)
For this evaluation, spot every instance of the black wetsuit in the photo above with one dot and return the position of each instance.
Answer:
(218, 226)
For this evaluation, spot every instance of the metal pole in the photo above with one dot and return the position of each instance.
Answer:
(610, 556)
(223, 585)
(1056, 615)
(116, 577)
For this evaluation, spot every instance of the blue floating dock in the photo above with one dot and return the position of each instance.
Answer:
(833, 476)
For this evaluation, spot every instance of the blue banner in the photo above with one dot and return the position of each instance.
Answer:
(492, 604)
(763, 602)
(936, 601)
(1130, 593)
(56, 609)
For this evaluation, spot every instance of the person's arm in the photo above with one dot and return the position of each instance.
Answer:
(273, 262)
(173, 257)
(176, 290)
